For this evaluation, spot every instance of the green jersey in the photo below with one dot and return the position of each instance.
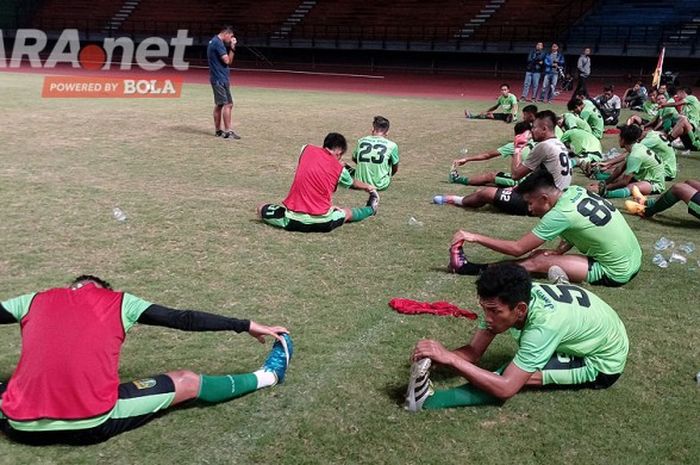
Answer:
(566, 319)
(650, 109)
(507, 102)
(595, 227)
(645, 165)
(592, 116)
(508, 150)
(657, 143)
(572, 121)
(691, 109)
(375, 156)
(669, 116)
(558, 133)
(581, 142)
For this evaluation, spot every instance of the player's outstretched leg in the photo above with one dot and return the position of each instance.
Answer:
(214, 389)
(461, 265)
(362, 213)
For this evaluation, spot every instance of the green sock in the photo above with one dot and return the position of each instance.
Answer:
(222, 388)
(601, 176)
(666, 201)
(620, 193)
(461, 180)
(574, 162)
(462, 396)
(359, 214)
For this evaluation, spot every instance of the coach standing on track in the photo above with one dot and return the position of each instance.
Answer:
(583, 67)
(220, 53)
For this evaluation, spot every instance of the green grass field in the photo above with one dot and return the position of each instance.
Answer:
(192, 241)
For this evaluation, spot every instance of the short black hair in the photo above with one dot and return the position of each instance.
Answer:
(687, 90)
(539, 179)
(335, 140)
(506, 85)
(226, 28)
(630, 134)
(521, 127)
(548, 115)
(530, 109)
(380, 124)
(609, 88)
(89, 277)
(573, 103)
(509, 282)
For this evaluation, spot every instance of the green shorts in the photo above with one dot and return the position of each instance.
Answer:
(570, 370)
(280, 217)
(600, 276)
(138, 402)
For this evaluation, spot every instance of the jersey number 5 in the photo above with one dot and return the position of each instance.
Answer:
(377, 152)
(565, 294)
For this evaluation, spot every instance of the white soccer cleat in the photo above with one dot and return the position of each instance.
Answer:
(557, 275)
(419, 385)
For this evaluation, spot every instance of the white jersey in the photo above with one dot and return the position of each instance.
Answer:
(553, 155)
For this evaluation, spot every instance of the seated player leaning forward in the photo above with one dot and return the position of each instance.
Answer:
(523, 142)
(507, 101)
(308, 206)
(611, 252)
(549, 154)
(376, 157)
(567, 336)
(73, 396)
(686, 191)
(640, 167)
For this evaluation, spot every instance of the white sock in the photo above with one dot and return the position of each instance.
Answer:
(265, 378)
(455, 199)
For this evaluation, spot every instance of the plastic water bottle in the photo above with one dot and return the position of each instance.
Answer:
(659, 261)
(118, 214)
(412, 221)
(464, 151)
(687, 248)
(677, 257)
(663, 243)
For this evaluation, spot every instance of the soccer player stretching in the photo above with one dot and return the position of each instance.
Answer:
(567, 336)
(507, 101)
(308, 206)
(611, 255)
(376, 156)
(66, 388)
(686, 191)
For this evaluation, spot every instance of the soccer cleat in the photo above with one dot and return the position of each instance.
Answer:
(457, 259)
(219, 133)
(557, 275)
(231, 135)
(635, 208)
(678, 144)
(440, 199)
(278, 360)
(468, 114)
(638, 196)
(453, 176)
(586, 167)
(419, 385)
(602, 188)
(373, 201)
(509, 118)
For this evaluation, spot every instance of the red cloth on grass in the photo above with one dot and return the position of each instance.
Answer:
(441, 308)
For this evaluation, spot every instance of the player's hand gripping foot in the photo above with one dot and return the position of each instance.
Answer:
(557, 275)
(457, 259)
(453, 176)
(373, 201)
(278, 360)
(419, 385)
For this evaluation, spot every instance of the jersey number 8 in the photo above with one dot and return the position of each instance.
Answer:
(597, 209)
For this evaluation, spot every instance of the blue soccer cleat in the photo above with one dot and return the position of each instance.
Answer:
(440, 199)
(280, 356)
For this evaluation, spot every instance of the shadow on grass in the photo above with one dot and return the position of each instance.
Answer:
(678, 223)
(192, 130)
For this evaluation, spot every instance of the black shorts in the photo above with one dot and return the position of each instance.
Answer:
(694, 205)
(222, 94)
(150, 394)
(604, 279)
(510, 201)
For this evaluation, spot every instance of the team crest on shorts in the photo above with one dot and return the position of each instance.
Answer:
(145, 383)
